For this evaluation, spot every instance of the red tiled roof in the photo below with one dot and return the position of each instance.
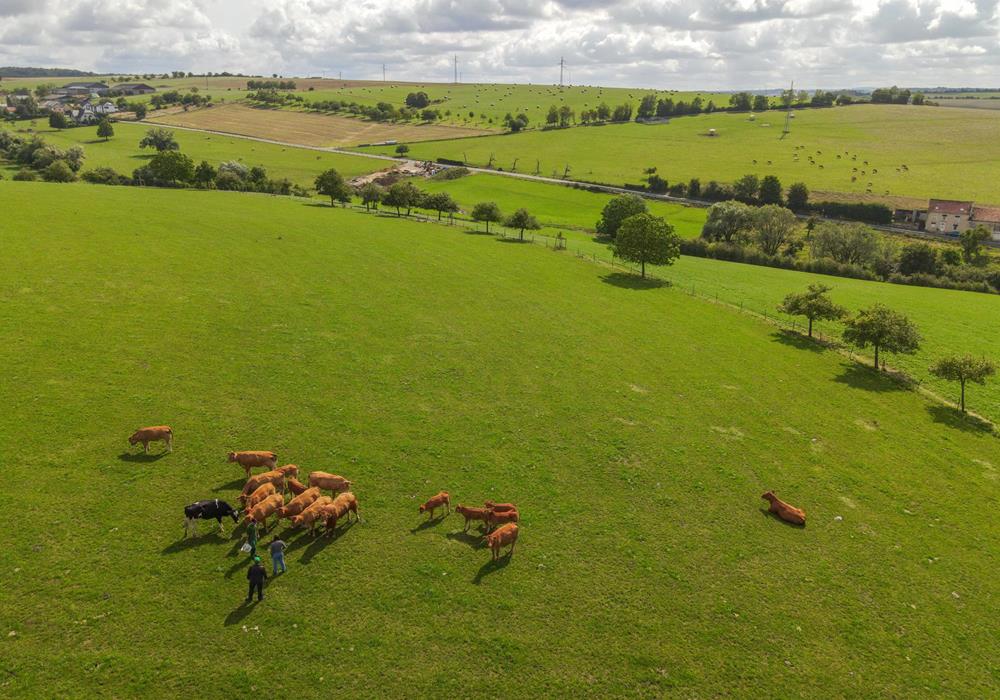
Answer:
(990, 214)
(949, 206)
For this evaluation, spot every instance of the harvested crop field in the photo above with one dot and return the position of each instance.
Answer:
(307, 129)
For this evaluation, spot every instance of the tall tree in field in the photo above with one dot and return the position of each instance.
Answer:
(57, 120)
(617, 210)
(488, 212)
(746, 189)
(644, 238)
(814, 304)
(370, 194)
(441, 202)
(104, 129)
(798, 196)
(160, 139)
(963, 369)
(972, 243)
(402, 195)
(332, 184)
(883, 329)
(172, 167)
(770, 190)
(727, 221)
(522, 220)
(772, 226)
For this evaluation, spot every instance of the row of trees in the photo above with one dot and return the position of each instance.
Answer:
(381, 112)
(270, 84)
(884, 330)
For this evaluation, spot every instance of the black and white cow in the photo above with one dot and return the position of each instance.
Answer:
(207, 510)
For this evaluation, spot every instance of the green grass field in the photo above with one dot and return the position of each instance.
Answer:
(886, 136)
(122, 152)
(635, 427)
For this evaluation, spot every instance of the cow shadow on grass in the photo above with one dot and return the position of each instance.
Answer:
(433, 522)
(321, 542)
(797, 341)
(859, 376)
(186, 543)
(954, 418)
(473, 539)
(627, 281)
(228, 486)
(141, 456)
(774, 516)
(492, 566)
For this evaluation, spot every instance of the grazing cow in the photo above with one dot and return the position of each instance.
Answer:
(295, 486)
(299, 503)
(207, 510)
(153, 434)
(494, 518)
(312, 512)
(344, 504)
(255, 482)
(499, 507)
(785, 511)
(289, 470)
(471, 514)
(442, 499)
(504, 535)
(262, 492)
(266, 508)
(329, 482)
(253, 458)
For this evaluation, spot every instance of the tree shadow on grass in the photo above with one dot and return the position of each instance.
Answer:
(954, 418)
(797, 340)
(627, 281)
(473, 540)
(429, 523)
(867, 378)
(477, 232)
(492, 566)
(774, 516)
(512, 240)
(141, 457)
(190, 542)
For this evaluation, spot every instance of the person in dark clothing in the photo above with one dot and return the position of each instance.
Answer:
(256, 575)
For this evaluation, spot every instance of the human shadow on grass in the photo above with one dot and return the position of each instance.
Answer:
(954, 418)
(798, 341)
(867, 378)
(473, 539)
(190, 542)
(492, 566)
(141, 456)
(627, 281)
(242, 610)
(774, 516)
(428, 523)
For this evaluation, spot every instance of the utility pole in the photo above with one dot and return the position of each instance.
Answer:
(562, 65)
(788, 111)
(456, 69)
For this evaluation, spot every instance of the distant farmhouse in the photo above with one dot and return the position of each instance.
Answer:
(82, 89)
(134, 89)
(950, 217)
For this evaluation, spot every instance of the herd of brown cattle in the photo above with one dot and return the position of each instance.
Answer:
(499, 520)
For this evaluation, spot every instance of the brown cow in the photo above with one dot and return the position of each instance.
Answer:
(289, 470)
(266, 508)
(299, 503)
(259, 494)
(312, 512)
(295, 486)
(504, 535)
(494, 518)
(153, 434)
(253, 458)
(344, 504)
(499, 507)
(785, 511)
(435, 502)
(329, 482)
(470, 514)
(256, 481)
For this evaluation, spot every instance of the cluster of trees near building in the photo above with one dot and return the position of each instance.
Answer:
(38, 159)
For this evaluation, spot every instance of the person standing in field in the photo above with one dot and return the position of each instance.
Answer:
(277, 549)
(256, 575)
(252, 538)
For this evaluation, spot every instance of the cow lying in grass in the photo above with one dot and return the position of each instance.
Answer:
(344, 504)
(435, 502)
(503, 536)
(207, 510)
(266, 508)
(785, 511)
(155, 433)
(249, 459)
(255, 482)
(329, 482)
(470, 514)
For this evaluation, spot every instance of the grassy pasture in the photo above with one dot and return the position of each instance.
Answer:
(636, 427)
(122, 152)
(309, 129)
(887, 136)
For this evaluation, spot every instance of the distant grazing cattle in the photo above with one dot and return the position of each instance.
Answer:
(259, 494)
(295, 486)
(494, 518)
(266, 508)
(153, 433)
(435, 502)
(207, 510)
(344, 504)
(253, 458)
(258, 480)
(785, 511)
(312, 512)
(503, 536)
(471, 514)
(329, 482)
(298, 504)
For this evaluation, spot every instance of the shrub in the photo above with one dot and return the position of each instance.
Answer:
(451, 173)
(58, 171)
(105, 176)
(25, 175)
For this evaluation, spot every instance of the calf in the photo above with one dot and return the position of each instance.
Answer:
(153, 434)
(329, 482)
(344, 504)
(266, 508)
(207, 510)
(311, 513)
(253, 458)
(299, 503)
(470, 514)
(785, 511)
(259, 494)
(499, 507)
(504, 535)
(494, 518)
(435, 502)
(255, 482)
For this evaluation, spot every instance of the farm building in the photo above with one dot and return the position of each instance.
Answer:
(134, 89)
(988, 217)
(83, 89)
(948, 216)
